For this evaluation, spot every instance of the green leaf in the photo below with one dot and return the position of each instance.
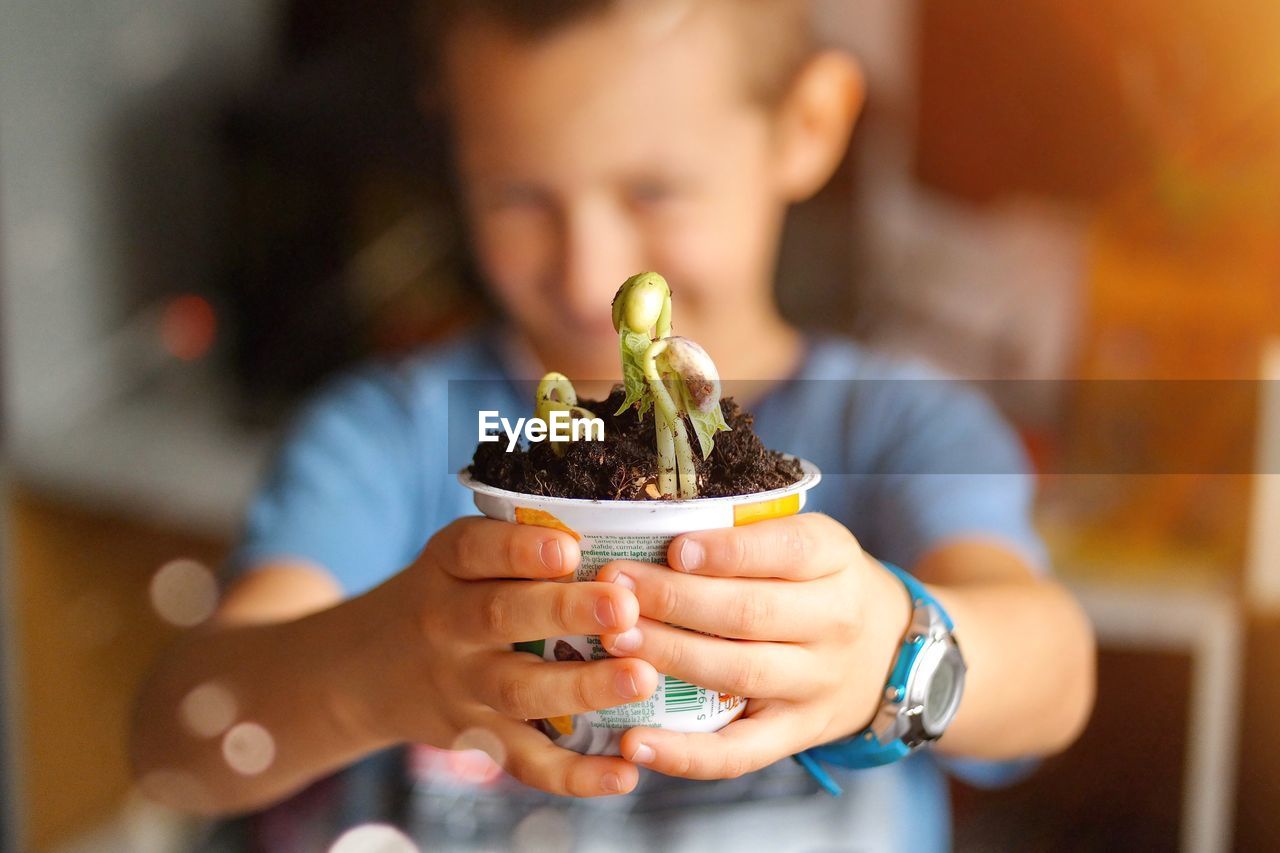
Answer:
(706, 425)
(633, 346)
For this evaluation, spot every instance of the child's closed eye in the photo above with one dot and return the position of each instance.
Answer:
(654, 193)
(513, 196)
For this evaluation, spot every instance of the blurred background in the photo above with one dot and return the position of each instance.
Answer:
(205, 209)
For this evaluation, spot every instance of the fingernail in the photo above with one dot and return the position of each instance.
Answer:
(643, 754)
(626, 683)
(628, 641)
(551, 556)
(606, 615)
(692, 555)
(626, 582)
(612, 783)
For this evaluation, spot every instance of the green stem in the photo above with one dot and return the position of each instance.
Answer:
(684, 459)
(674, 453)
(668, 484)
(663, 326)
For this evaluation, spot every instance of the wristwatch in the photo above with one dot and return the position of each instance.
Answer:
(920, 699)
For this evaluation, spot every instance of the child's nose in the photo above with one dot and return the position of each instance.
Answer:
(599, 252)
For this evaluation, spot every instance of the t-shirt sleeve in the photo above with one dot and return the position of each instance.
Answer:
(343, 487)
(950, 467)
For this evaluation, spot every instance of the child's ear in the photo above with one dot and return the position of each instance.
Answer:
(815, 122)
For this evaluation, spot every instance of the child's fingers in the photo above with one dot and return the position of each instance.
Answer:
(741, 608)
(798, 547)
(744, 746)
(505, 612)
(476, 548)
(534, 760)
(526, 688)
(755, 670)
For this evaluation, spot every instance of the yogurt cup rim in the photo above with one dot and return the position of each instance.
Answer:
(810, 478)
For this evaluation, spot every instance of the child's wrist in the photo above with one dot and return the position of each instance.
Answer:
(357, 693)
(888, 617)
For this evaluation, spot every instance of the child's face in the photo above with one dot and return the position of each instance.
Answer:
(619, 145)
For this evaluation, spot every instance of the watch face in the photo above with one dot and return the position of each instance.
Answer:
(942, 696)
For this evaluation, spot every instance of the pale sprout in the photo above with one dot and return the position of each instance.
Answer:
(184, 593)
(208, 710)
(373, 838)
(556, 393)
(248, 749)
(543, 831)
(690, 362)
(642, 305)
(671, 375)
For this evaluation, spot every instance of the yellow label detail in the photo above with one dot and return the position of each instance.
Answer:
(776, 508)
(542, 518)
(564, 725)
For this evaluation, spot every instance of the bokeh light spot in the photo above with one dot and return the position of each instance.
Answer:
(188, 327)
(209, 710)
(248, 749)
(543, 831)
(477, 756)
(373, 838)
(184, 593)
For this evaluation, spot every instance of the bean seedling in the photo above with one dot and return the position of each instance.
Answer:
(672, 375)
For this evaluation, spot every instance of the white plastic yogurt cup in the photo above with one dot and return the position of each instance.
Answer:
(635, 530)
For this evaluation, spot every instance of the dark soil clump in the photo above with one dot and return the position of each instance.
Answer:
(625, 466)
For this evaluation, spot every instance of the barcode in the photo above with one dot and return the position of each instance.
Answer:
(681, 695)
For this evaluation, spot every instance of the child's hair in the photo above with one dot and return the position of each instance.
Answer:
(775, 37)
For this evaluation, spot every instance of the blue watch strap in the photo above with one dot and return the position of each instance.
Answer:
(919, 595)
(863, 750)
(808, 762)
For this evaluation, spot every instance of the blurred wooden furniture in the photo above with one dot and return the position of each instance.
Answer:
(86, 635)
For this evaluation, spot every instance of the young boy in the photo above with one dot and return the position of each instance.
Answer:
(596, 139)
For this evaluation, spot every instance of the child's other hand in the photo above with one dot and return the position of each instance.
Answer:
(479, 586)
(806, 625)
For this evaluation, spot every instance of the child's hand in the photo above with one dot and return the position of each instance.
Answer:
(810, 625)
(479, 586)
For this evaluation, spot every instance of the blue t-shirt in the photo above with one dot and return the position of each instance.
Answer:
(367, 474)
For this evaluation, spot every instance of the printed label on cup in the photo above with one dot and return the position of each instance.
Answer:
(675, 704)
